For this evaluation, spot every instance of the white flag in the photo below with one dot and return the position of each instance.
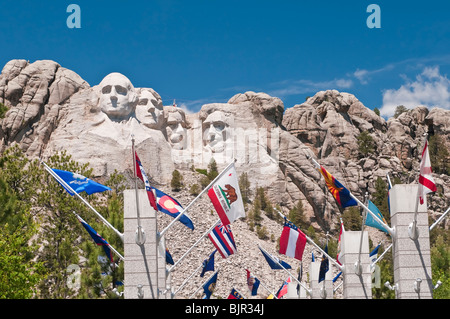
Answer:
(426, 181)
(226, 197)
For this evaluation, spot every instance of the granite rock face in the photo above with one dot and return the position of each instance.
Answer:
(53, 109)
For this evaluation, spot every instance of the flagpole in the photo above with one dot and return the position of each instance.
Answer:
(382, 255)
(307, 290)
(111, 247)
(440, 218)
(186, 280)
(60, 180)
(389, 229)
(196, 243)
(195, 199)
(413, 231)
(358, 267)
(140, 234)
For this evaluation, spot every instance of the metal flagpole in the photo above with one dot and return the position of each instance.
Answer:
(186, 280)
(440, 218)
(389, 229)
(140, 234)
(413, 231)
(307, 290)
(358, 267)
(195, 199)
(112, 248)
(382, 255)
(60, 180)
(196, 243)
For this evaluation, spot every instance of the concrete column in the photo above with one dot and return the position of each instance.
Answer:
(356, 286)
(412, 261)
(143, 271)
(317, 291)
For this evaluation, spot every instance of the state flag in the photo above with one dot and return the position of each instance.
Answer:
(252, 283)
(234, 294)
(292, 241)
(222, 238)
(426, 181)
(171, 207)
(339, 192)
(78, 182)
(226, 197)
(273, 261)
(99, 240)
(140, 173)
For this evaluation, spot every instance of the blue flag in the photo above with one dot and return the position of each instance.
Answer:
(324, 265)
(171, 207)
(97, 239)
(272, 260)
(370, 221)
(208, 264)
(374, 253)
(253, 283)
(209, 286)
(79, 183)
(169, 259)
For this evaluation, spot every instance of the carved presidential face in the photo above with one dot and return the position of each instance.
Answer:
(176, 128)
(214, 131)
(117, 96)
(149, 110)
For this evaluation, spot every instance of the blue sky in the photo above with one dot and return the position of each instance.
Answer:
(200, 52)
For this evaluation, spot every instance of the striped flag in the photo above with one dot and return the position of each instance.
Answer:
(234, 294)
(140, 173)
(222, 238)
(426, 181)
(292, 241)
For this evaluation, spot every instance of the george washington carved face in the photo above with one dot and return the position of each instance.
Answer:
(118, 98)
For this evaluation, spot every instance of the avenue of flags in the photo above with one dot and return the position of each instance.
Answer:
(225, 196)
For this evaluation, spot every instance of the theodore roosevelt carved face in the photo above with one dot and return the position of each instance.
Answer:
(176, 127)
(118, 98)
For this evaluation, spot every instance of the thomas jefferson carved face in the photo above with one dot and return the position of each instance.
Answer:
(117, 96)
(149, 110)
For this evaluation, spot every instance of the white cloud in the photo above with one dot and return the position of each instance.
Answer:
(430, 88)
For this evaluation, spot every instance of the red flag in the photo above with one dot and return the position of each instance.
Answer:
(426, 182)
(292, 241)
(140, 173)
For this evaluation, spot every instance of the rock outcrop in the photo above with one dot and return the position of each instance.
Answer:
(52, 109)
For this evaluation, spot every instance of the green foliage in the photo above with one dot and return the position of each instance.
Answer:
(3, 110)
(386, 272)
(296, 215)
(176, 182)
(194, 190)
(366, 144)
(439, 155)
(377, 111)
(244, 187)
(352, 218)
(440, 261)
(380, 198)
(212, 170)
(34, 259)
(399, 110)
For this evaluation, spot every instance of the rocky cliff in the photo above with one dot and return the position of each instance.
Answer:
(51, 109)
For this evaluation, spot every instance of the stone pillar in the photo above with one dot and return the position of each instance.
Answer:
(356, 286)
(412, 261)
(144, 273)
(316, 287)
